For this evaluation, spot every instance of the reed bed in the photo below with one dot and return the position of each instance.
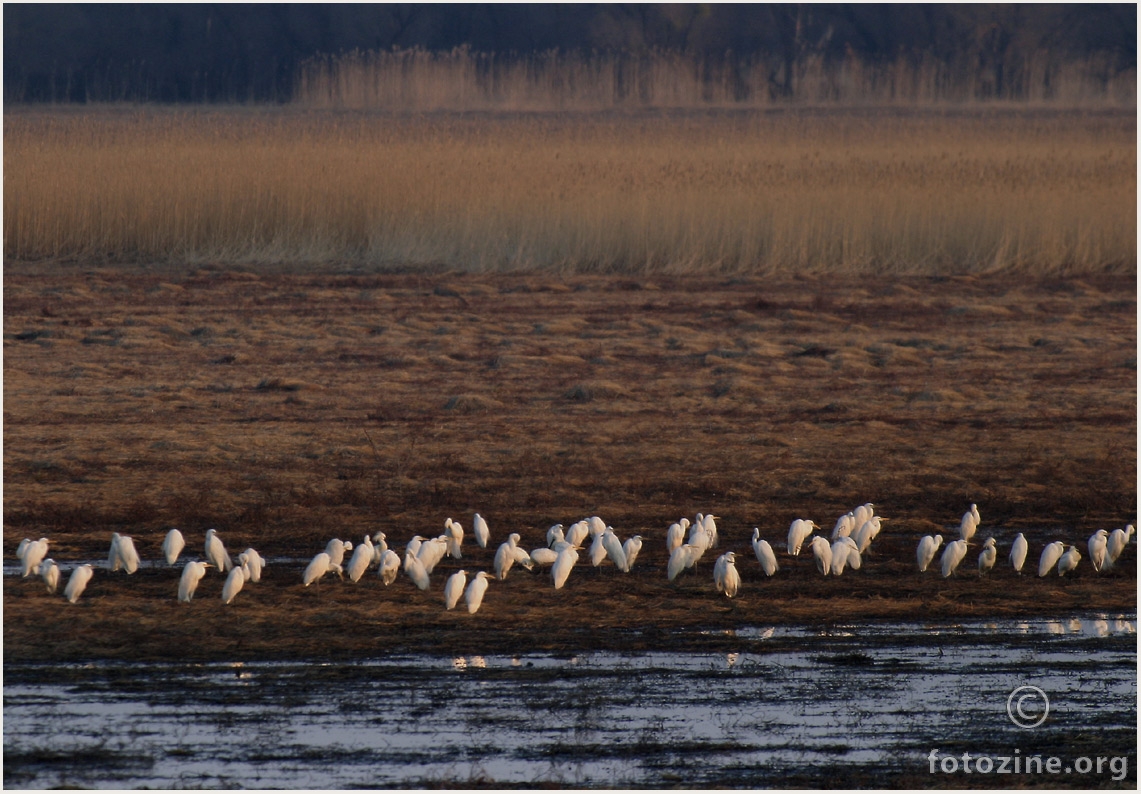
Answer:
(794, 190)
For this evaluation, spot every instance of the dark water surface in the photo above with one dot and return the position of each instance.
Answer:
(857, 705)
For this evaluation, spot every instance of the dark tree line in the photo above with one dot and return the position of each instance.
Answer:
(220, 52)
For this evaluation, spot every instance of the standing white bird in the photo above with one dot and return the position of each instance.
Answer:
(928, 545)
(1018, 553)
(78, 582)
(563, 565)
(675, 535)
(237, 578)
(455, 537)
(432, 552)
(554, 535)
(822, 553)
(798, 532)
(320, 565)
(725, 576)
(765, 555)
(952, 556)
(614, 549)
(454, 588)
(597, 526)
(336, 549)
(597, 551)
(868, 532)
(710, 524)
(379, 547)
(50, 572)
(22, 548)
(473, 596)
(1069, 561)
(988, 555)
(216, 552)
(413, 546)
(123, 554)
(172, 546)
(192, 574)
(1098, 543)
(34, 554)
(863, 514)
(359, 562)
(505, 556)
(1118, 540)
(255, 562)
(416, 571)
(1050, 556)
(683, 557)
(969, 523)
(844, 553)
(845, 525)
(482, 533)
(630, 548)
(544, 556)
(388, 567)
(577, 532)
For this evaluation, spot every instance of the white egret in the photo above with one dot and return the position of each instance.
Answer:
(336, 549)
(854, 560)
(699, 536)
(844, 553)
(710, 524)
(868, 532)
(432, 552)
(1098, 543)
(237, 578)
(482, 533)
(22, 548)
(554, 535)
(1050, 556)
(413, 546)
(416, 571)
(597, 526)
(969, 523)
(123, 554)
(172, 546)
(192, 574)
(725, 576)
(675, 536)
(798, 532)
(505, 556)
(988, 555)
(50, 573)
(925, 553)
(473, 596)
(765, 555)
(320, 565)
(216, 552)
(563, 565)
(379, 547)
(34, 554)
(544, 556)
(388, 567)
(597, 551)
(952, 556)
(1018, 553)
(613, 548)
(454, 536)
(255, 562)
(683, 557)
(845, 524)
(1069, 561)
(822, 553)
(454, 588)
(361, 559)
(78, 582)
(862, 515)
(577, 533)
(522, 557)
(630, 548)
(1118, 540)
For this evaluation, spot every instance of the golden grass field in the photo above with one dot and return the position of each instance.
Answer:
(855, 191)
(285, 408)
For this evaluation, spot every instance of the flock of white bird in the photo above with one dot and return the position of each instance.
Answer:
(686, 543)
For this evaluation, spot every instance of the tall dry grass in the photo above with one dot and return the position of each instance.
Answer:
(903, 191)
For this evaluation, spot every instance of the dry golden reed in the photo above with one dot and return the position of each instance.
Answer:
(750, 191)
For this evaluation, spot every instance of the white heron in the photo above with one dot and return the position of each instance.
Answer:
(798, 532)
(1098, 544)
(22, 548)
(172, 546)
(413, 546)
(862, 515)
(416, 571)
(237, 578)
(725, 576)
(577, 532)
(631, 548)
(505, 556)
(216, 552)
(925, 553)
(597, 551)
(683, 557)
(554, 535)
(320, 565)
(1118, 540)
(192, 574)
(710, 524)
(563, 565)
(988, 555)
(454, 588)
(473, 596)
(431, 552)
(255, 562)
(482, 533)
(379, 547)
(822, 553)
(1069, 561)
(78, 582)
(544, 556)
(675, 535)
(597, 526)
(123, 554)
(388, 567)
(614, 550)
(845, 524)
(50, 573)
(868, 532)
(34, 553)
(1018, 552)
(454, 536)
(952, 556)
(1050, 556)
(765, 555)
(336, 549)
(845, 553)
(361, 559)
(969, 523)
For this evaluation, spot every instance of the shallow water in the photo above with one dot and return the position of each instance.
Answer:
(853, 705)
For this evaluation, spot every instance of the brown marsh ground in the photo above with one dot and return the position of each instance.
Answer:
(285, 409)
